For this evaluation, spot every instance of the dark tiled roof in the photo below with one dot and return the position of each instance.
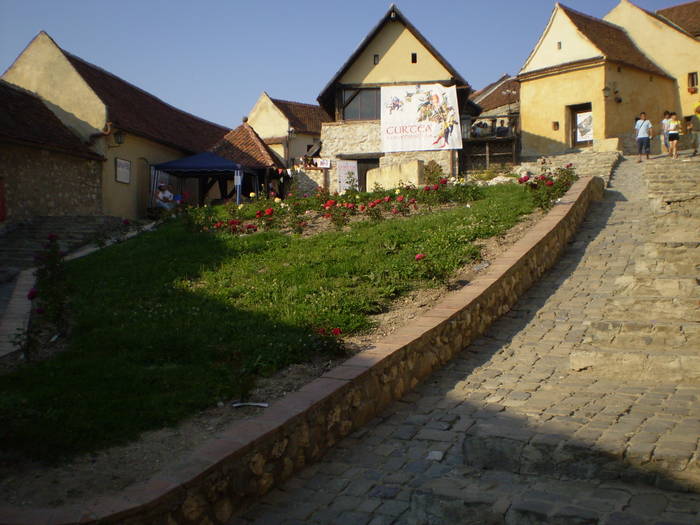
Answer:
(476, 95)
(498, 98)
(686, 16)
(25, 119)
(244, 146)
(325, 98)
(304, 118)
(612, 41)
(136, 111)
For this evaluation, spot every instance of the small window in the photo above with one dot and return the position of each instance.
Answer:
(376, 59)
(558, 45)
(693, 79)
(361, 104)
(414, 58)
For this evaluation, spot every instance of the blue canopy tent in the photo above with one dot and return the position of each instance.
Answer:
(209, 168)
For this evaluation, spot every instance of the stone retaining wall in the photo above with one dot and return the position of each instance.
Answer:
(226, 473)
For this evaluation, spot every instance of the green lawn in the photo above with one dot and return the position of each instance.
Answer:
(173, 321)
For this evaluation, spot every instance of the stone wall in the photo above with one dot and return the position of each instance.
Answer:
(47, 183)
(250, 457)
(394, 175)
(363, 137)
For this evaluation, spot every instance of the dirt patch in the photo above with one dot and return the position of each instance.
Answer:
(31, 484)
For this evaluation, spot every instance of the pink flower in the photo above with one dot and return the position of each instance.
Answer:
(400, 198)
(443, 181)
(32, 294)
(321, 331)
(394, 211)
(525, 178)
(362, 207)
(412, 201)
(427, 188)
(549, 183)
(387, 199)
(420, 256)
(436, 187)
(258, 214)
(336, 331)
(372, 204)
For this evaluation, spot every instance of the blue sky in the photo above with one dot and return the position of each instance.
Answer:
(214, 58)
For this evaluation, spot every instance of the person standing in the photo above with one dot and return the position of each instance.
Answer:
(693, 127)
(674, 131)
(664, 133)
(643, 129)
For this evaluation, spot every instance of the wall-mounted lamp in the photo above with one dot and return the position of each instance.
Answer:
(119, 137)
(606, 91)
(555, 126)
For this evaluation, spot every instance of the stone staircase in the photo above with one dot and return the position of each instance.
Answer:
(587, 164)
(19, 245)
(662, 293)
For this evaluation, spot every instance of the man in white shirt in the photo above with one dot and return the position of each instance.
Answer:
(164, 197)
(643, 129)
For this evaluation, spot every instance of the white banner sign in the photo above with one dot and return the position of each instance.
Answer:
(584, 126)
(347, 174)
(322, 163)
(419, 118)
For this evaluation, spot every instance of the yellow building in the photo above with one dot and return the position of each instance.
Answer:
(669, 37)
(584, 84)
(393, 53)
(291, 129)
(129, 127)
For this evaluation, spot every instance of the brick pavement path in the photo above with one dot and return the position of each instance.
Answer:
(517, 429)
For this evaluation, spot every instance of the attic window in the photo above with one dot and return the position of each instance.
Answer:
(414, 58)
(558, 45)
(376, 59)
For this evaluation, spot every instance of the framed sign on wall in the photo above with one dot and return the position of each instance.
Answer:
(122, 170)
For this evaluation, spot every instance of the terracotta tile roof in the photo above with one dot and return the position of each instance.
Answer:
(244, 146)
(498, 98)
(136, 111)
(304, 118)
(25, 119)
(612, 41)
(686, 16)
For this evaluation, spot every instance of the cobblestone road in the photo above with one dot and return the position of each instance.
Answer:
(574, 408)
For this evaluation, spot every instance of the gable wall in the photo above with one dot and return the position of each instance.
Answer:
(267, 120)
(574, 46)
(394, 45)
(43, 69)
(673, 51)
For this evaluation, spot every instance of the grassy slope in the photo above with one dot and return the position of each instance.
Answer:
(170, 322)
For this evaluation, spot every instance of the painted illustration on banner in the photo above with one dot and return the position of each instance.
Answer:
(347, 175)
(419, 118)
(584, 126)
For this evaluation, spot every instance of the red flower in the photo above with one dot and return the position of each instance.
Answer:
(32, 294)
(125, 222)
(362, 207)
(427, 188)
(350, 206)
(412, 201)
(321, 331)
(420, 256)
(443, 181)
(326, 215)
(269, 211)
(549, 183)
(251, 227)
(525, 178)
(569, 165)
(234, 222)
(436, 187)
(372, 204)
(400, 198)
(387, 199)
(258, 214)
(336, 331)
(394, 211)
